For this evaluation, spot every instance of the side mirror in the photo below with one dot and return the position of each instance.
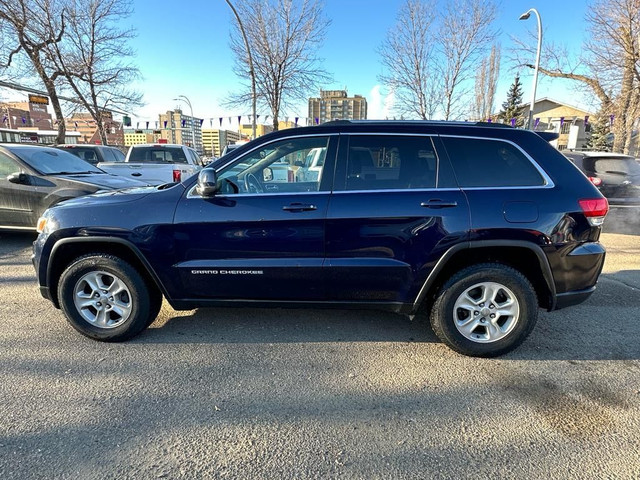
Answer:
(207, 185)
(267, 175)
(18, 177)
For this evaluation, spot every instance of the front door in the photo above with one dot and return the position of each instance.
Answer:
(262, 236)
(17, 200)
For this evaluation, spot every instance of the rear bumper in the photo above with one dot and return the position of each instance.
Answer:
(575, 297)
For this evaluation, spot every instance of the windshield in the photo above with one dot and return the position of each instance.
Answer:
(51, 161)
(157, 154)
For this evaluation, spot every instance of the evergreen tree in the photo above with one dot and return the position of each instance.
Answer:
(511, 108)
(599, 140)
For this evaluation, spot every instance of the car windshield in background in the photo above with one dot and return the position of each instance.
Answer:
(51, 161)
(157, 155)
(622, 165)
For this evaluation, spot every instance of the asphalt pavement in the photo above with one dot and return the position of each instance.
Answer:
(272, 393)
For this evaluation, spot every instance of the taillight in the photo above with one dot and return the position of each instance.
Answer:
(595, 209)
(291, 176)
(177, 176)
(595, 180)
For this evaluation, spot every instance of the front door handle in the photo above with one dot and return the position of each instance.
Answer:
(437, 203)
(299, 207)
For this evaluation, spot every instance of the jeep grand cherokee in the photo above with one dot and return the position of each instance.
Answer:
(476, 224)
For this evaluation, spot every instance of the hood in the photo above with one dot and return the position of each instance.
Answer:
(104, 180)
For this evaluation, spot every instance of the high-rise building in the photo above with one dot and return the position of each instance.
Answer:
(336, 105)
(176, 127)
(214, 140)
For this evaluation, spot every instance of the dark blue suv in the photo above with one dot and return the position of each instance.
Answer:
(476, 224)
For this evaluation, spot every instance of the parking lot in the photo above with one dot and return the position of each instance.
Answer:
(270, 393)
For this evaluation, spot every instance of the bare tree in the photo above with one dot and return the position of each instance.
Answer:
(93, 58)
(407, 54)
(465, 31)
(609, 65)
(36, 25)
(284, 36)
(429, 57)
(486, 84)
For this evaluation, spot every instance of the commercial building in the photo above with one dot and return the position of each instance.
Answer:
(17, 115)
(182, 129)
(336, 105)
(214, 140)
(88, 128)
(140, 137)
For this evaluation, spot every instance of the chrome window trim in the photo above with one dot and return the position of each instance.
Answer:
(191, 194)
(398, 190)
(548, 183)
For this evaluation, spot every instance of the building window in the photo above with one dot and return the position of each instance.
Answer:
(566, 126)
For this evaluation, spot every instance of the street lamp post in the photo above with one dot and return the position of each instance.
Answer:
(193, 120)
(252, 72)
(525, 16)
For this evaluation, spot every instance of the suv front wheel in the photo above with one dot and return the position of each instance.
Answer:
(105, 298)
(485, 310)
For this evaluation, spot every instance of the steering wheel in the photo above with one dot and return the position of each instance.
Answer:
(252, 184)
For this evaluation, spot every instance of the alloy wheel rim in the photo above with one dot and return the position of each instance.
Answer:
(486, 312)
(102, 299)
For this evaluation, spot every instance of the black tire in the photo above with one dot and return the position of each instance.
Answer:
(475, 281)
(140, 304)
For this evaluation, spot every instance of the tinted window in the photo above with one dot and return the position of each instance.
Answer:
(157, 154)
(490, 163)
(118, 155)
(52, 161)
(390, 162)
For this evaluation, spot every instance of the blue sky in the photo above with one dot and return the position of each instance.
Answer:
(183, 49)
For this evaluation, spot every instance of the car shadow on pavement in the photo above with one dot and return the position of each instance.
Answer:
(602, 328)
(276, 325)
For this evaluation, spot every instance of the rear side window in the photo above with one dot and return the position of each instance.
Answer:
(157, 155)
(384, 162)
(490, 163)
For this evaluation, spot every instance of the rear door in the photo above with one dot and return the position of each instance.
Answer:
(395, 210)
(262, 237)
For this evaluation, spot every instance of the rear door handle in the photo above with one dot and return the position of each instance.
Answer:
(437, 203)
(136, 174)
(299, 207)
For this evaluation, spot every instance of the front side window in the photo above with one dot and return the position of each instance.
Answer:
(383, 162)
(7, 166)
(279, 167)
(490, 163)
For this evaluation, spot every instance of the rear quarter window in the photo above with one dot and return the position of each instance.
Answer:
(490, 163)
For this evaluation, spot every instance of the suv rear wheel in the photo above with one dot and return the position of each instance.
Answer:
(105, 298)
(485, 310)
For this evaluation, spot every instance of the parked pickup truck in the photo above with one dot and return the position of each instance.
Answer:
(156, 164)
